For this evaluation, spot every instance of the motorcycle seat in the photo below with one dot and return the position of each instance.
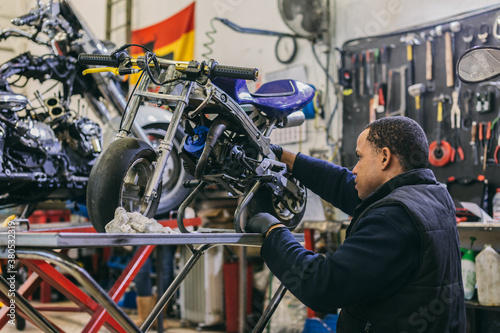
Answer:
(277, 99)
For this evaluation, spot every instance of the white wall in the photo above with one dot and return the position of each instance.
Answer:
(361, 18)
(352, 18)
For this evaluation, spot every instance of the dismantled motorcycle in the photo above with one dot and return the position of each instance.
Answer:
(226, 142)
(47, 148)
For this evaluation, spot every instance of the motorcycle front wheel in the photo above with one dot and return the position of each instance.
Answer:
(173, 192)
(119, 179)
(288, 209)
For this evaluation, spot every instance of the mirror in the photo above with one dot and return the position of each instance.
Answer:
(479, 64)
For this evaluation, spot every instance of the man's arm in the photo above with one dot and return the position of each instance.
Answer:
(331, 182)
(375, 262)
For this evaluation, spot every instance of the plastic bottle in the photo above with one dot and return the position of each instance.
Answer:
(488, 276)
(496, 205)
(469, 271)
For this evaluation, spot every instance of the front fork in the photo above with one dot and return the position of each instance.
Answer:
(165, 147)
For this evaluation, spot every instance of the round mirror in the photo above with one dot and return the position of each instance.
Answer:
(479, 64)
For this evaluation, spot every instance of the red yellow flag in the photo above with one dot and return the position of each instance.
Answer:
(173, 38)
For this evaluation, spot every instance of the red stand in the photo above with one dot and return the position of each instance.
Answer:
(46, 273)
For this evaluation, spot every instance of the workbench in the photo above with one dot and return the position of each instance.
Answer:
(42, 252)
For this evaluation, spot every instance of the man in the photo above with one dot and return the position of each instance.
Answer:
(398, 269)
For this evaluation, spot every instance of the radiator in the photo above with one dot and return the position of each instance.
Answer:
(201, 293)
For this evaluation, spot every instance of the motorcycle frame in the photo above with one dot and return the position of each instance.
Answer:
(230, 106)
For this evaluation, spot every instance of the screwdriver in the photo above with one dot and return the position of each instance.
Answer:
(486, 141)
(473, 143)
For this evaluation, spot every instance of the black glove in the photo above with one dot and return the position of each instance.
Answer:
(277, 150)
(260, 223)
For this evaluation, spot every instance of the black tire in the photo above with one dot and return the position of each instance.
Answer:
(173, 192)
(124, 157)
(266, 201)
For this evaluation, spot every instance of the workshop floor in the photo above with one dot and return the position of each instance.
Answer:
(75, 321)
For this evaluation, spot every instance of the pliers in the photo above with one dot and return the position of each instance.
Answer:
(496, 155)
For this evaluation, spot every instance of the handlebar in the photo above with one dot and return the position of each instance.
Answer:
(25, 19)
(98, 60)
(233, 72)
(213, 69)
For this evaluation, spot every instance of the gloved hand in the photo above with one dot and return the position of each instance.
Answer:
(277, 150)
(260, 223)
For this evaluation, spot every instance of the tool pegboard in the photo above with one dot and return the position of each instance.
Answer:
(413, 73)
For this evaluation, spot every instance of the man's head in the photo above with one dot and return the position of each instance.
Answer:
(386, 148)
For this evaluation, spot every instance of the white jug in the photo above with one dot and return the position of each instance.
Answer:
(488, 276)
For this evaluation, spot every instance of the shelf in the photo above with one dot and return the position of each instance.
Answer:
(480, 226)
(474, 304)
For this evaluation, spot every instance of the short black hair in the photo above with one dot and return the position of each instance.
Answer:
(404, 137)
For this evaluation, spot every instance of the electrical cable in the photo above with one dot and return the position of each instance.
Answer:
(132, 94)
(211, 40)
(332, 81)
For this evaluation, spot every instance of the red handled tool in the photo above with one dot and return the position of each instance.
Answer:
(496, 156)
(486, 141)
(440, 151)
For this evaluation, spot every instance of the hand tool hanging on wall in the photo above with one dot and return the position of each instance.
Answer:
(377, 102)
(473, 142)
(355, 79)
(486, 142)
(467, 97)
(440, 151)
(480, 135)
(368, 72)
(410, 40)
(456, 121)
(401, 73)
(374, 104)
(468, 36)
(449, 30)
(428, 36)
(362, 74)
(496, 155)
(385, 54)
(484, 33)
(416, 91)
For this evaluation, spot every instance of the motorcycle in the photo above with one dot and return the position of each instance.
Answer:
(226, 142)
(47, 150)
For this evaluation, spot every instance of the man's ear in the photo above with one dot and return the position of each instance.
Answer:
(386, 157)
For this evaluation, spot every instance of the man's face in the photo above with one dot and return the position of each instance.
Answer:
(368, 170)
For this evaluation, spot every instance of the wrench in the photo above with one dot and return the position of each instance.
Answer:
(468, 35)
(484, 32)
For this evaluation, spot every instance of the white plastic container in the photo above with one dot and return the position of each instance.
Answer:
(469, 274)
(488, 276)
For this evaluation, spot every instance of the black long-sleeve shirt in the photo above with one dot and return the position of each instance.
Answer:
(375, 262)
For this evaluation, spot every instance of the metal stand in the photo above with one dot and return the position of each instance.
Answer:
(25, 251)
(27, 308)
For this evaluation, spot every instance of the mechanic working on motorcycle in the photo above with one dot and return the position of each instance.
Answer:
(398, 269)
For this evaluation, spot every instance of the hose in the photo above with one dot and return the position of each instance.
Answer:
(216, 130)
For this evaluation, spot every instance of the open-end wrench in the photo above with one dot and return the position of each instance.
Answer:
(401, 111)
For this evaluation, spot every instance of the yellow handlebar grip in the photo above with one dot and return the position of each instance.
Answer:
(101, 70)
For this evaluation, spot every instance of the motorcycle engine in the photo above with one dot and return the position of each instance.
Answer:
(83, 136)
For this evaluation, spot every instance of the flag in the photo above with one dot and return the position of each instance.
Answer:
(173, 38)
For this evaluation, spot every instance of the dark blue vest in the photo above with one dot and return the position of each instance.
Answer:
(433, 301)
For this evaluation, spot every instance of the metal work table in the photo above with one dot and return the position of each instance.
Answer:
(64, 240)
(41, 246)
